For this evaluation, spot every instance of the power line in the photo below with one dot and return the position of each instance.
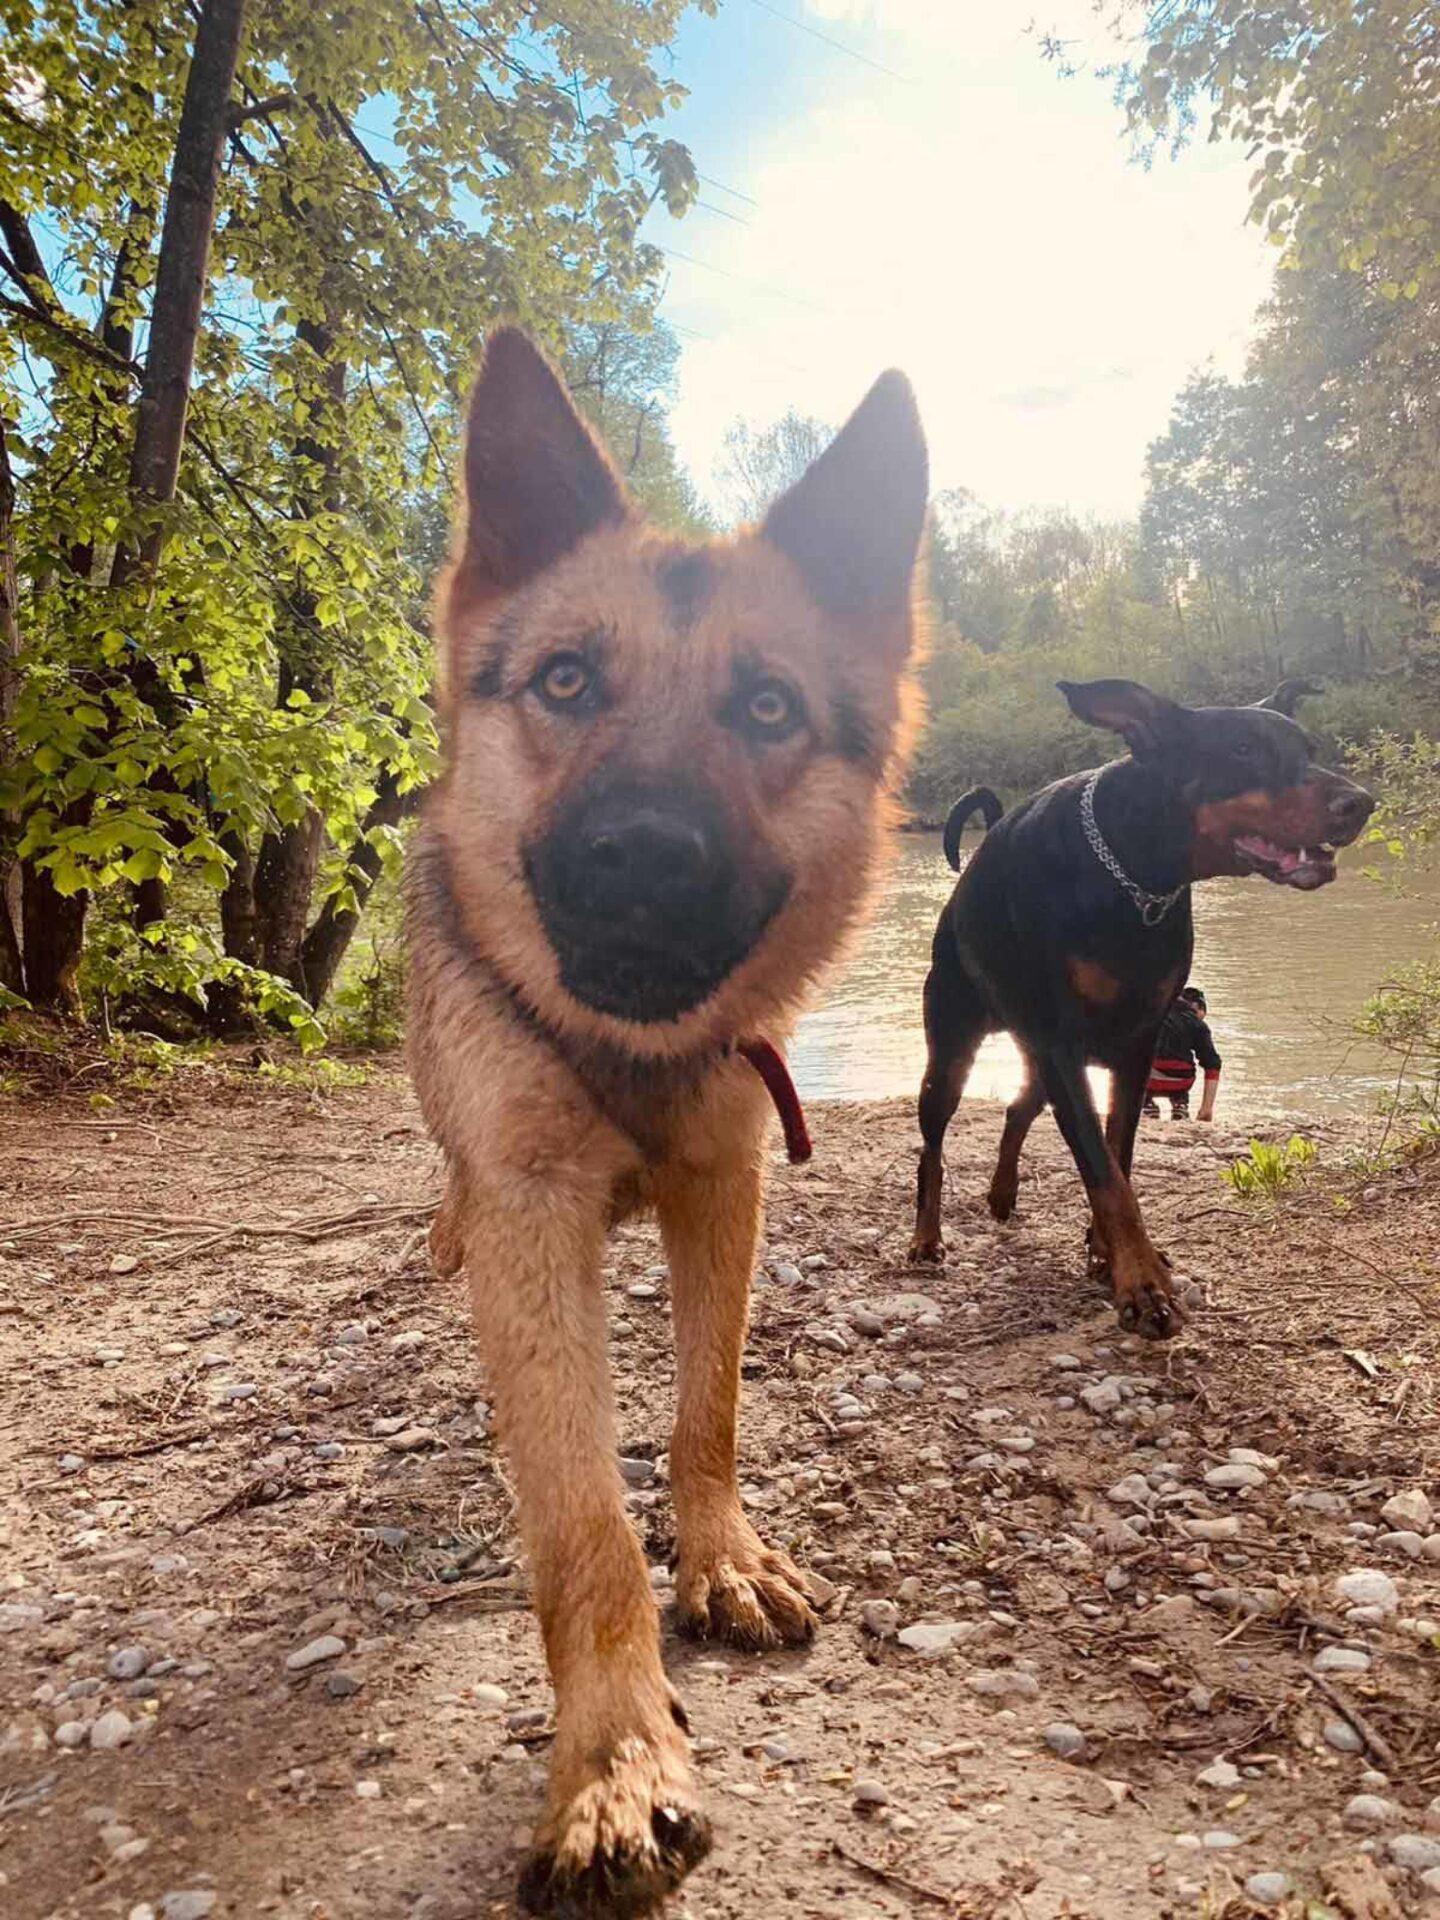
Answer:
(829, 40)
(734, 192)
(708, 206)
(744, 280)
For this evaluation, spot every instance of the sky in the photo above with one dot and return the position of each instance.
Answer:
(938, 197)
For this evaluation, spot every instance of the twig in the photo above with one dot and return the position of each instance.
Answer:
(488, 1598)
(264, 1492)
(889, 1877)
(1376, 1742)
(180, 1439)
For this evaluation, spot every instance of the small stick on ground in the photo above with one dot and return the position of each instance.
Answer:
(1376, 1742)
(887, 1876)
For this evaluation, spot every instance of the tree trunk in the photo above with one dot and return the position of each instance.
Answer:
(327, 940)
(181, 274)
(12, 973)
(284, 881)
(54, 935)
(290, 858)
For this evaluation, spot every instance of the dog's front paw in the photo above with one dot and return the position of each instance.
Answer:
(926, 1251)
(624, 1838)
(746, 1594)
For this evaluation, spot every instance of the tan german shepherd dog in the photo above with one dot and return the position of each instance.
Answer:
(662, 803)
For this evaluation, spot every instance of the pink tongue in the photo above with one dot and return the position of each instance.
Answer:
(1287, 859)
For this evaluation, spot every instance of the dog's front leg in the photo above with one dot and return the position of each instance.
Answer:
(728, 1583)
(622, 1827)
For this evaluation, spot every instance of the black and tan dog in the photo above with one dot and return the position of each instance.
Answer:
(1070, 928)
(663, 798)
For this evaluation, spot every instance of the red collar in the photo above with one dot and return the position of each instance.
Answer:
(769, 1063)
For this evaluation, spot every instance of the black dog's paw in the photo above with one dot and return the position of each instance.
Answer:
(927, 1253)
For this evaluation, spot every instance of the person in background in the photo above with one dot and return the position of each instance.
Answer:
(1185, 1042)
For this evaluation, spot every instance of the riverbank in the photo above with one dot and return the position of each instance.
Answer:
(218, 1447)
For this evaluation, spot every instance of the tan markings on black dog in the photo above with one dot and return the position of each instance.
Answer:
(660, 812)
(1092, 982)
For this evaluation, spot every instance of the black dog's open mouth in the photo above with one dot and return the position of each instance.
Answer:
(1303, 867)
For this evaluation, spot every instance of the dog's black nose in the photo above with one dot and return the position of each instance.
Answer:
(1351, 807)
(638, 856)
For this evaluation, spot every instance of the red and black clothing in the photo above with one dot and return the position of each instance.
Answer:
(1185, 1041)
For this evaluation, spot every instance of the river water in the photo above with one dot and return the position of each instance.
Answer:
(1285, 975)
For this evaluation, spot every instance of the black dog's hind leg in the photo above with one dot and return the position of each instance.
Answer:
(955, 1021)
(1138, 1274)
(1020, 1116)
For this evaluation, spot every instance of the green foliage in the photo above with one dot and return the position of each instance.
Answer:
(1404, 1018)
(396, 177)
(1334, 102)
(1270, 1170)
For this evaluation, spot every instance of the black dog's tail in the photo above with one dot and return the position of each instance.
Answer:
(978, 798)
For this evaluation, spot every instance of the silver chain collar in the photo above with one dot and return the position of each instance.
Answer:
(1152, 907)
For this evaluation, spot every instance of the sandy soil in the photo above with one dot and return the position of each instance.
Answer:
(218, 1446)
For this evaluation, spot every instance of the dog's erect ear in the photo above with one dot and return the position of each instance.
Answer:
(536, 482)
(1148, 721)
(1287, 696)
(852, 522)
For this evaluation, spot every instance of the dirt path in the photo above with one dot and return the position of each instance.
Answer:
(218, 1449)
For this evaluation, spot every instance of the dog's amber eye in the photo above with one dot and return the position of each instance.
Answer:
(564, 679)
(772, 708)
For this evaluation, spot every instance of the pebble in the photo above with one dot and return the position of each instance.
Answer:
(1366, 1811)
(935, 1637)
(239, 1390)
(353, 1335)
(645, 1290)
(1367, 1587)
(1340, 1735)
(328, 1646)
(70, 1462)
(879, 1618)
(909, 1383)
(1066, 1740)
(1268, 1889)
(410, 1440)
(193, 1903)
(330, 1450)
(1065, 1363)
(72, 1734)
(484, 1694)
(1410, 1544)
(1103, 1397)
(1002, 1682)
(1341, 1660)
(1227, 1528)
(1219, 1840)
(870, 1793)
(1248, 1457)
(866, 1322)
(1417, 1851)
(128, 1664)
(1133, 1491)
(340, 1685)
(1410, 1509)
(1219, 1773)
(367, 1789)
(1234, 1477)
(636, 1472)
(111, 1730)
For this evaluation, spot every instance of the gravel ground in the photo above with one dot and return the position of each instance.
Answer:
(1112, 1630)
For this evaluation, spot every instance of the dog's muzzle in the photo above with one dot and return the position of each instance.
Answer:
(644, 902)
